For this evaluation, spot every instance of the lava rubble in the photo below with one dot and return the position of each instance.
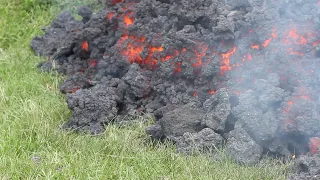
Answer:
(240, 74)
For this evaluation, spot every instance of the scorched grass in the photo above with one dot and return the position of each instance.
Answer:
(32, 145)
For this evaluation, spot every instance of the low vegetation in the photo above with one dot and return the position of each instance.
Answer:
(32, 145)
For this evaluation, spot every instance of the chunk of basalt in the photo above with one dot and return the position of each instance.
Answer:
(254, 120)
(242, 148)
(139, 84)
(57, 40)
(155, 131)
(217, 109)
(307, 120)
(184, 119)
(163, 110)
(256, 109)
(93, 108)
(74, 83)
(307, 167)
(204, 141)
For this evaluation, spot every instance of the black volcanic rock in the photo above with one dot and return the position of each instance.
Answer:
(217, 109)
(242, 148)
(307, 167)
(244, 70)
(205, 140)
(184, 119)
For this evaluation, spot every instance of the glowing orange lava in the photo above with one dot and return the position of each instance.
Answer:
(254, 46)
(314, 145)
(110, 15)
(200, 53)
(85, 46)
(225, 62)
(315, 43)
(194, 93)
(128, 19)
(74, 90)
(211, 92)
(294, 38)
(249, 56)
(267, 42)
(132, 47)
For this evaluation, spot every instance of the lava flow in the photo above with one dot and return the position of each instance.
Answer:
(225, 62)
(85, 46)
(314, 145)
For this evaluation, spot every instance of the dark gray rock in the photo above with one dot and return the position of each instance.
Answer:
(163, 110)
(256, 108)
(138, 83)
(75, 82)
(155, 131)
(93, 108)
(217, 109)
(184, 119)
(242, 148)
(307, 167)
(57, 40)
(205, 140)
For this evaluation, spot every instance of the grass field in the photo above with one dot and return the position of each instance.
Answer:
(32, 145)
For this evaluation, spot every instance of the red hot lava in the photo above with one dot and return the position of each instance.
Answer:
(314, 145)
(225, 62)
(85, 46)
(132, 48)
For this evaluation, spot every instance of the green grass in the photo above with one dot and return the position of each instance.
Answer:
(32, 145)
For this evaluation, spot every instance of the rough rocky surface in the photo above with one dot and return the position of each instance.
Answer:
(217, 109)
(244, 70)
(95, 107)
(242, 148)
(205, 140)
(307, 167)
(184, 119)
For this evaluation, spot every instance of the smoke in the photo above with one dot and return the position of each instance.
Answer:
(274, 72)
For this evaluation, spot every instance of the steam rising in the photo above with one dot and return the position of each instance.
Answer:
(275, 74)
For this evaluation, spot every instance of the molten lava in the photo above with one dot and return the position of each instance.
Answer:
(294, 38)
(110, 15)
(211, 92)
(200, 54)
(315, 43)
(85, 46)
(194, 93)
(128, 19)
(255, 46)
(267, 42)
(225, 62)
(314, 145)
